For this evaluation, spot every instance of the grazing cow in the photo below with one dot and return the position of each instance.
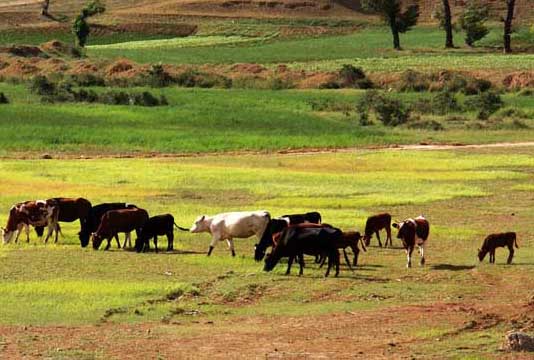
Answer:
(95, 217)
(119, 221)
(311, 217)
(70, 210)
(348, 239)
(156, 225)
(295, 242)
(413, 232)
(227, 226)
(376, 223)
(38, 213)
(273, 233)
(493, 241)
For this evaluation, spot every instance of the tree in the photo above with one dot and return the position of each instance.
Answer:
(45, 6)
(80, 27)
(473, 22)
(447, 24)
(391, 11)
(510, 7)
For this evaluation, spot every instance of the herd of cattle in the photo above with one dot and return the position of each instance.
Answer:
(290, 236)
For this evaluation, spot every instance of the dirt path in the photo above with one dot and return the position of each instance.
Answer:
(11, 3)
(309, 151)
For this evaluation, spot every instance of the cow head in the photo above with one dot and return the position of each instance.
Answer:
(97, 240)
(482, 254)
(402, 229)
(259, 252)
(200, 225)
(84, 238)
(270, 262)
(7, 235)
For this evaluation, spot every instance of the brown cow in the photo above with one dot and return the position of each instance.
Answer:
(38, 213)
(348, 239)
(376, 223)
(413, 232)
(69, 210)
(119, 221)
(493, 241)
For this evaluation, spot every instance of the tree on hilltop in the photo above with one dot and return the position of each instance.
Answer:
(392, 12)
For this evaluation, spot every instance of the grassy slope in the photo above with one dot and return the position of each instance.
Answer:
(369, 48)
(209, 121)
(58, 281)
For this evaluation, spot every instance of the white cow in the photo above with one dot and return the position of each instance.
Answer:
(227, 226)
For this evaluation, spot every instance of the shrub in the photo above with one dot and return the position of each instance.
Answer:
(115, 98)
(426, 125)
(40, 85)
(145, 99)
(330, 85)
(485, 103)
(455, 82)
(511, 113)
(354, 77)
(444, 103)
(194, 78)
(157, 77)
(473, 20)
(526, 92)
(413, 81)
(276, 83)
(330, 105)
(87, 79)
(3, 98)
(391, 112)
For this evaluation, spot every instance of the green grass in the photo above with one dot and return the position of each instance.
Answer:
(464, 193)
(369, 48)
(212, 121)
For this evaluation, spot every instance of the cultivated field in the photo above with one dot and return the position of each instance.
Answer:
(61, 301)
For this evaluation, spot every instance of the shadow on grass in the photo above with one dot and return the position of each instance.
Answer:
(450, 267)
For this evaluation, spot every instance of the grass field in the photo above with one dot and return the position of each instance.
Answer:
(465, 194)
(369, 48)
(215, 121)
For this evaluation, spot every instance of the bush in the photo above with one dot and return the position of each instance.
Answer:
(157, 77)
(455, 82)
(40, 85)
(526, 92)
(426, 125)
(473, 20)
(485, 103)
(115, 98)
(413, 81)
(145, 99)
(194, 78)
(3, 98)
(512, 113)
(444, 103)
(276, 83)
(391, 112)
(87, 80)
(353, 77)
(330, 105)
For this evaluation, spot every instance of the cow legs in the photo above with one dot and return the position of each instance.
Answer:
(511, 255)
(230, 243)
(356, 252)
(378, 237)
(422, 253)
(127, 240)
(388, 237)
(156, 242)
(109, 243)
(492, 256)
(409, 257)
(170, 241)
(51, 228)
(289, 263)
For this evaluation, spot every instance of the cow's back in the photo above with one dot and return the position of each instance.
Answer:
(123, 220)
(241, 223)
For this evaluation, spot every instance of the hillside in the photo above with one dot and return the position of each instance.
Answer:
(27, 12)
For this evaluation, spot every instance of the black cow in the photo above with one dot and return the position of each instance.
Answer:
(413, 232)
(312, 217)
(95, 217)
(294, 242)
(493, 241)
(119, 221)
(156, 225)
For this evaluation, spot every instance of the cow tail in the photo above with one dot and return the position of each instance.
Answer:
(180, 228)
(363, 244)
(515, 242)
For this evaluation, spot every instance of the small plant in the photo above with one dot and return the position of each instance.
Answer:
(87, 79)
(3, 98)
(444, 103)
(80, 27)
(414, 81)
(473, 22)
(354, 77)
(40, 85)
(486, 103)
(391, 112)
(157, 76)
(426, 125)
(145, 99)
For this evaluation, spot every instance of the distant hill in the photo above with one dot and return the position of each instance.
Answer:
(26, 12)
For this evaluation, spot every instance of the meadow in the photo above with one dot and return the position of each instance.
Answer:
(465, 194)
(216, 120)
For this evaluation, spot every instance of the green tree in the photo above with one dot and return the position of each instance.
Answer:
(80, 27)
(392, 12)
(473, 22)
(510, 7)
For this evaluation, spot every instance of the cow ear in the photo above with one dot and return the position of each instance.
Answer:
(203, 217)
(395, 225)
